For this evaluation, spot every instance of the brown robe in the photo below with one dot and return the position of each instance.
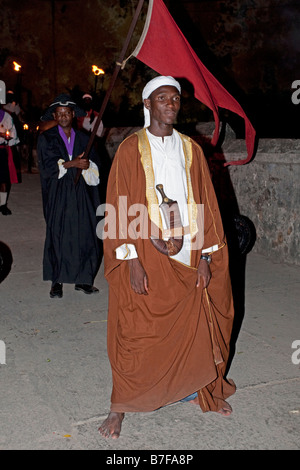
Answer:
(175, 341)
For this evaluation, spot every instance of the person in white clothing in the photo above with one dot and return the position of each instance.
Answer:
(8, 174)
(88, 122)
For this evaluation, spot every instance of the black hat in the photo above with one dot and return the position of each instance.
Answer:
(62, 100)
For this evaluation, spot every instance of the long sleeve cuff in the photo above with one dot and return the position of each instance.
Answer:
(126, 252)
(91, 175)
(211, 249)
(62, 169)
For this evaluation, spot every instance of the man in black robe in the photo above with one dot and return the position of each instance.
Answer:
(72, 248)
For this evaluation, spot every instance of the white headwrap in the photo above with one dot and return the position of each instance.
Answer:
(152, 86)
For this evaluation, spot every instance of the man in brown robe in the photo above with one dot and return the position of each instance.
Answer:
(169, 321)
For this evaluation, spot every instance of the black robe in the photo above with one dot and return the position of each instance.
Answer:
(72, 248)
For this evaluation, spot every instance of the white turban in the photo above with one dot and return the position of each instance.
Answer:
(152, 86)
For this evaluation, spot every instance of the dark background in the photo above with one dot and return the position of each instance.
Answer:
(251, 46)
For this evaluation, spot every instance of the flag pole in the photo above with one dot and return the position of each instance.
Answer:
(119, 64)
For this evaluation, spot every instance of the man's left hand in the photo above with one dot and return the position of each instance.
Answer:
(203, 272)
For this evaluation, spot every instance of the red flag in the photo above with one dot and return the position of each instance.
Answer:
(164, 48)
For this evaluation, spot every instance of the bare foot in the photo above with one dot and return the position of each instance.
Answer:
(111, 427)
(226, 410)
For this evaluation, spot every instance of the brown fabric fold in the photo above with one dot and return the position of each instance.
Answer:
(164, 346)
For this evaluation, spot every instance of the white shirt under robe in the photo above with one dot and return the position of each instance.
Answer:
(168, 163)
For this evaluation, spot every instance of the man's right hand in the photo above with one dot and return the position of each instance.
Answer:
(138, 277)
(78, 162)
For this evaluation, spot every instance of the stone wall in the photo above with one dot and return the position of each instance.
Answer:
(266, 190)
